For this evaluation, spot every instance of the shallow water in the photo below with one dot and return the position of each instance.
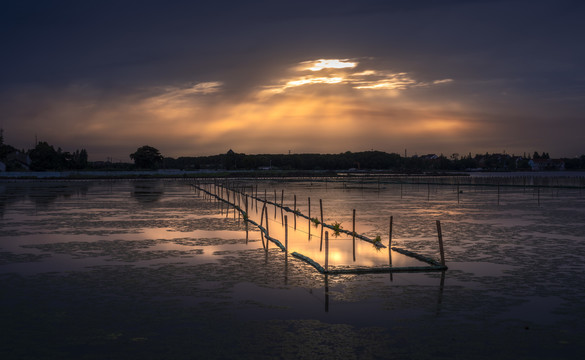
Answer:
(152, 269)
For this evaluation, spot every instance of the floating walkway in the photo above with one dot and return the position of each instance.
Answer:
(215, 190)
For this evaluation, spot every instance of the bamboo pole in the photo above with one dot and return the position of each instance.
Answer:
(285, 235)
(440, 235)
(267, 231)
(282, 198)
(295, 211)
(390, 247)
(309, 200)
(262, 215)
(353, 235)
(326, 250)
(390, 233)
(321, 207)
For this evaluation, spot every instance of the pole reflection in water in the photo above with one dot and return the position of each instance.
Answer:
(440, 297)
(285, 250)
(326, 293)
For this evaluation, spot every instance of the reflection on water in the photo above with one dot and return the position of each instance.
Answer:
(120, 263)
(344, 250)
(147, 191)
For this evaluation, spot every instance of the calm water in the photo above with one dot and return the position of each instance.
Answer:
(152, 269)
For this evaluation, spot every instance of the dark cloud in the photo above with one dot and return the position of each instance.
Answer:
(511, 61)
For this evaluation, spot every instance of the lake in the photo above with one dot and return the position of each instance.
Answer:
(152, 269)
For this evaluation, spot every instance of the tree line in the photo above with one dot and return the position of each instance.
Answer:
(45, 157)
(365, 160)
(42, 157)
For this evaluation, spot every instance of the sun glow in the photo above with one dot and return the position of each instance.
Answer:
(318, 65)
(344, 106)
(341, 71)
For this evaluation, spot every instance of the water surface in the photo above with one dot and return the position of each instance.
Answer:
(152, 269)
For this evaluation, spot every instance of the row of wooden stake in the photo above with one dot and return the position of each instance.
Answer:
(264, 215)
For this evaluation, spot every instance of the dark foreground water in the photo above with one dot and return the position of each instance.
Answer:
(152, 270)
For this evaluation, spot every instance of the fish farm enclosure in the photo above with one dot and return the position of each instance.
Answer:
(475, 267)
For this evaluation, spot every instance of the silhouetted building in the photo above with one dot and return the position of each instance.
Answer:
(546, 164)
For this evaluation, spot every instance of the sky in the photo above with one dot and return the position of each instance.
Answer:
(194, 78)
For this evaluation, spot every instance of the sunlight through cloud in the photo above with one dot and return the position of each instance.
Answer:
(343, 71)
(318, 65)
(203, 88)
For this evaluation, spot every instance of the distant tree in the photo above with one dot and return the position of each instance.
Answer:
(45, 157)
(77, 160)
(230, 161)
(147, 157)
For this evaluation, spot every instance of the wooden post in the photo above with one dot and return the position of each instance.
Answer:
(285, 235)
(390, 234)
(275, 197)
(390, 247)
(265, 198)
(321, 207)
(262, 215)
(353, 235)
(247, 215)
(327, 251)
(353, 222)
(267, 231)
(282, 198)
(309, 199)
(440, 235)
(295, 211)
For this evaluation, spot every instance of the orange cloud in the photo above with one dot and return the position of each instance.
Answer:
(335, 109)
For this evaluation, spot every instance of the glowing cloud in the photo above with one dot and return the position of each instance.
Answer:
(318, 65)
(388, 81)
(203, 88)
(341, 71)
(342, 107)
